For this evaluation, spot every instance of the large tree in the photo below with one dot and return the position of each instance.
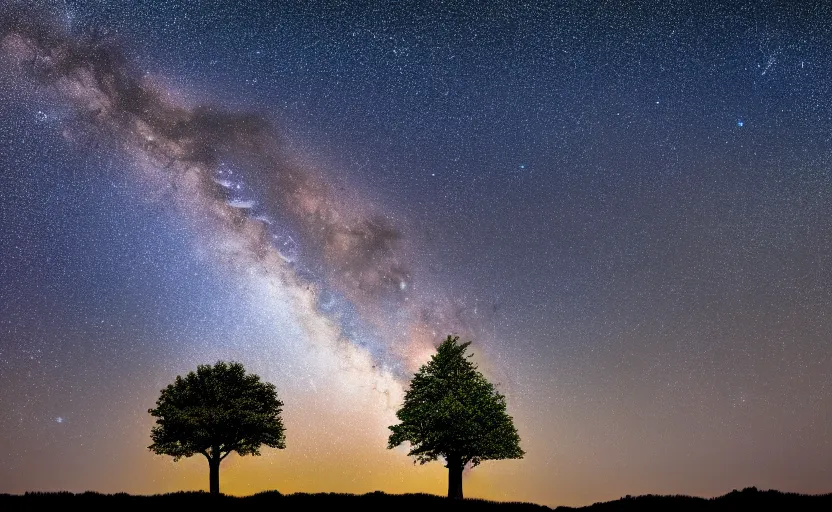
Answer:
(215, 411)
(452, 411)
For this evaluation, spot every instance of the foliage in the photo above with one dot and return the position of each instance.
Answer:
(215, 411)
(452, 411)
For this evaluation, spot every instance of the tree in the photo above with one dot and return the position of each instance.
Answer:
(215, 411)
(452, 411)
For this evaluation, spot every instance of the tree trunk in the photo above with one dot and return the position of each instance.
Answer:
(455, 476)
(214, 465)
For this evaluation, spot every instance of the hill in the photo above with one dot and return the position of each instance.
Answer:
(748, 499)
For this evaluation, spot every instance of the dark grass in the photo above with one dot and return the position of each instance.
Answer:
(270, 500)
(747, 499)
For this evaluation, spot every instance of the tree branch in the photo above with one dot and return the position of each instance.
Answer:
(228, 452)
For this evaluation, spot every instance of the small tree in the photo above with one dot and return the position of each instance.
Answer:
(215, 411)
(451, 411)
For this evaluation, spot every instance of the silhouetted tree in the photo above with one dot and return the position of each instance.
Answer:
(215, 411)
(451, 411)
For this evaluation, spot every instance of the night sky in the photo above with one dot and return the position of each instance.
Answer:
(625, 207)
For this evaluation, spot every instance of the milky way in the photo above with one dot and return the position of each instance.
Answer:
(230, 171)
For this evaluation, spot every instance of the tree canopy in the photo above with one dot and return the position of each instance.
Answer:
(452, 411)
(215, 411)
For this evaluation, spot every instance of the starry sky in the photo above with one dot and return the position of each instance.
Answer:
(625, 207)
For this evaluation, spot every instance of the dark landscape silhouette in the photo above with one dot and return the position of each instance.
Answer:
(747, 499)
